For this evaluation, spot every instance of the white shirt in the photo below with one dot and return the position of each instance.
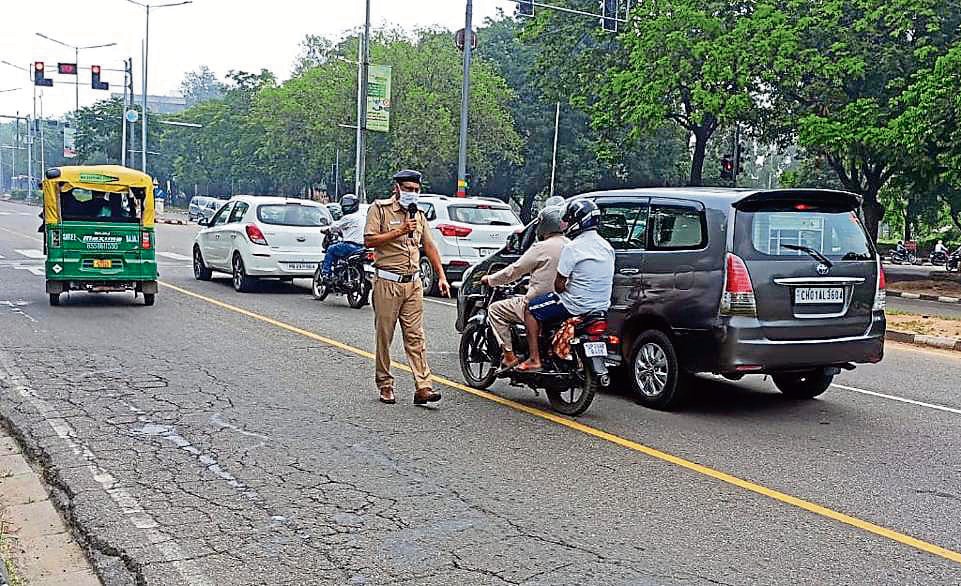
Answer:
(352, 227)
(940, 247)
(588, 263)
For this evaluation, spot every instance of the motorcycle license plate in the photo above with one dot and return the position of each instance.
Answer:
(301, 266)
(818, 295)
(594, 349)
(102, 263)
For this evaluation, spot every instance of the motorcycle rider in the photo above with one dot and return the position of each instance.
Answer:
(540, 262)
(940, 248)
(351, 227)
(584, 282)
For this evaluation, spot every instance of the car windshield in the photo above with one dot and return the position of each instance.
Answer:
(483, 215)
(785, 234)
(292, 214)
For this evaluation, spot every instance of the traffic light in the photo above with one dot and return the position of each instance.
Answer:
(740, 159)
(38, 75)
(67, 68)
(609, 20)
(525, 8)
(727, 167)
(95, 82)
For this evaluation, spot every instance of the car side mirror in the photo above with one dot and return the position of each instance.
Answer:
(203, 222)
(513, 243)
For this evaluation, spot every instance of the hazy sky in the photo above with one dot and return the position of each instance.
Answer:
(222, 34)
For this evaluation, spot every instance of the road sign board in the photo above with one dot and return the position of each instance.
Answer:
(132, 116)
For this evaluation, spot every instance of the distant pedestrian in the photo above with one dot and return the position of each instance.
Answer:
(397, 231)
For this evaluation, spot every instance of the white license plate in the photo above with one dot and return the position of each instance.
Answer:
(301, 266)
(818, 295)
(592, 349)
(485, 252)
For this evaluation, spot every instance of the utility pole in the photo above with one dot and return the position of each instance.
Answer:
(557, 125)
(363, 64)
(737, 151)
(143, 113)
(127, 73)
(465, 102)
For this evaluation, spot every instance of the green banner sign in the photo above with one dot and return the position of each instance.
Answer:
(96, 178)
(378, 98)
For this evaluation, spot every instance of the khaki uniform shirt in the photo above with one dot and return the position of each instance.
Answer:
(402, 255)
(540, 262)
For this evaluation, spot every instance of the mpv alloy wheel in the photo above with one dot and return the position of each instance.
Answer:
(656, 375)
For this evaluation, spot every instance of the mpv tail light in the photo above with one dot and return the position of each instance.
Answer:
(450, 231)
(880, 294)
(255, 235)
(738, 297)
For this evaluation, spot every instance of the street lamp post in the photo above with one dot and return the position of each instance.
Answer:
(465, 102)
(146, 54)
(76, 62)
(29, 127)
(363, 64)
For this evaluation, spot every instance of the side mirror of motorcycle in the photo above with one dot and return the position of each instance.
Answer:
(513, 242)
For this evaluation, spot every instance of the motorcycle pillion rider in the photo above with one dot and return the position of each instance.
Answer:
(351, 228)
(540, 262)
(584, 281)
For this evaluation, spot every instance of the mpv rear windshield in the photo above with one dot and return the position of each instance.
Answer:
(292, 214)
(483, 215)
(782, 235)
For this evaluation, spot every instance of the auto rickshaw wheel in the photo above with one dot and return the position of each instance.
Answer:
(149, 299)
(54, 299)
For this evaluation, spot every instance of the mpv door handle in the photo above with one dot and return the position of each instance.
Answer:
(629, 271)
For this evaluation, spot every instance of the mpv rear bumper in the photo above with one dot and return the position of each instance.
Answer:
(743, 349)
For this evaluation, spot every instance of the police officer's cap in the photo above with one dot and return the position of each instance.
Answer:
(407, 175)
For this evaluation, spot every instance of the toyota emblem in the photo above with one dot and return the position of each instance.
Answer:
(823, 269)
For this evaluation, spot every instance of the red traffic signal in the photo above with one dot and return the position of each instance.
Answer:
(95, 82)
(727, 168)
(67, 68)
(38, 75)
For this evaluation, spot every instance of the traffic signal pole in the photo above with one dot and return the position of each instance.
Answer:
(363, 64)
(465, 102)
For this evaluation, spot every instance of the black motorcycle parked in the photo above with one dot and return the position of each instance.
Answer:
(953, 264)
(348, 276)
(570, 384)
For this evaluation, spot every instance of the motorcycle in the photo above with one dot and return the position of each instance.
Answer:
(899, 257)
(349, 276)
(954, 262)
(938, 258)
(570, 383)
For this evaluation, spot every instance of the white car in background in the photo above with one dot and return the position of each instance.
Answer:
(466, 230)
(254, 237)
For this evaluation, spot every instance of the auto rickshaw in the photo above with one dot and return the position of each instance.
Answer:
(99, 231)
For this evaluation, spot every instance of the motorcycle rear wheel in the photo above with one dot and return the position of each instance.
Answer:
(359, 295)
(479, 356)
(566, 402)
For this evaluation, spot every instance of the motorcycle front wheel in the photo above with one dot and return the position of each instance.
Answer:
(480, 356)
(318, 288)
(577, 398)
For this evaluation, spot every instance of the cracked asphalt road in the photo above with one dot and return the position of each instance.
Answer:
(189, 444)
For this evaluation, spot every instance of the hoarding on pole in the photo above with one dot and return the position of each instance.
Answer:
(378, 98)
(69, 142)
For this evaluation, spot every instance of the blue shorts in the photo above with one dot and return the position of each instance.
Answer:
(548, 309)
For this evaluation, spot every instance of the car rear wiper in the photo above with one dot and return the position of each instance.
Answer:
(499, 223)
(813, 252)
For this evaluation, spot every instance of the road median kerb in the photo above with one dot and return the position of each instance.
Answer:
(925, 297)
(923, 340)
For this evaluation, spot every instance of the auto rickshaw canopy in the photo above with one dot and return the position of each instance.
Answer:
(106, 178)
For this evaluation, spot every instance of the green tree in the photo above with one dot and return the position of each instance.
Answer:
(839, 91)
(200, 86)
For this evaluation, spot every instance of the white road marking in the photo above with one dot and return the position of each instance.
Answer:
(139, 517)
(17, 307)
(37, 271)
(439, 302)
(5, 213)
(900, 399)
(173, 256)
(31, 253)
(2, 257)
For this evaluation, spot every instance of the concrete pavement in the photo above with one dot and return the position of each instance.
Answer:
(217, 439)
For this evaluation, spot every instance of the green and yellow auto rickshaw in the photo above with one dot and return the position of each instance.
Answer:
(99, 231)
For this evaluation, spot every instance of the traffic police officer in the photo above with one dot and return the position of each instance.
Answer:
(397, 231)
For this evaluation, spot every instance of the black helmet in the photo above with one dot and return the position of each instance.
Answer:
(349, 203)
(407, 175)
(581, 215)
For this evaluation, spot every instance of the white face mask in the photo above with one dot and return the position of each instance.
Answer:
(405, 198)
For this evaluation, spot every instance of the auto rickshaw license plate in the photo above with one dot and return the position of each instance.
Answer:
(102, 263)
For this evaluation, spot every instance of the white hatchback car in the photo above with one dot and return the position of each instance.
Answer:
(254, 237)
(466, 230)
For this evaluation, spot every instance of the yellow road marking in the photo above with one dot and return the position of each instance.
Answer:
(747, 485)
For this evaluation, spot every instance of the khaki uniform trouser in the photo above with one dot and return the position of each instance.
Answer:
(403, 302)
(503, 314)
